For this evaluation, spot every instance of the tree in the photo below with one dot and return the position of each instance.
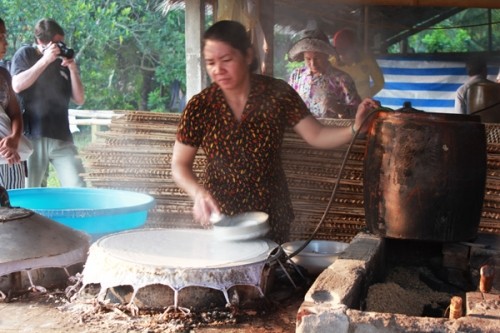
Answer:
(129, 52)
(464, 32)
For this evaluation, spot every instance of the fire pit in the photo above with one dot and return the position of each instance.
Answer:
(337, 301)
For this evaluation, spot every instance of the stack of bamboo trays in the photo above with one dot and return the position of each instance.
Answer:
(490, 218)
(135, 154)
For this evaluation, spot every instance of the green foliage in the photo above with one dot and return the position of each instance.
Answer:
(128, 51)
(466, 31)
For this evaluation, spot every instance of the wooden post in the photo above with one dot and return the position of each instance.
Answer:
(486, 281)
(195, 22)
(456, 307)
(266, 18)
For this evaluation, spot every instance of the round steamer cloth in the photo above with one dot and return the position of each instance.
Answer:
(180, 248)
(177, 258)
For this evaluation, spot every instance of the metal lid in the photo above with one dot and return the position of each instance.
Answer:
(28, 239)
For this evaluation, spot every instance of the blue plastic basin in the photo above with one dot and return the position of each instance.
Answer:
(95, 211)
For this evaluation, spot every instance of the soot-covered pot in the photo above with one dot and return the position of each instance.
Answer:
(424, 175)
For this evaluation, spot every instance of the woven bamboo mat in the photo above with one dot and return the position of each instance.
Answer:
(135, 154)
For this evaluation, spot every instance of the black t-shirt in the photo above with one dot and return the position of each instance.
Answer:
(45, 103)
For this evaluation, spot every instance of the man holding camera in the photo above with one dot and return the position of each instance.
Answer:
(46, 78)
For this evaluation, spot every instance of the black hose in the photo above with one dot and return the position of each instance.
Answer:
(337, 182)
(486, 108)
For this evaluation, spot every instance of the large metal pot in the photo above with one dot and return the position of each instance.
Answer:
(484, 98)
(424, 175)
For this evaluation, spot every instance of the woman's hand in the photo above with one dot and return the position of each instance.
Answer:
(364, 108)
(204, 206)
(8, 150)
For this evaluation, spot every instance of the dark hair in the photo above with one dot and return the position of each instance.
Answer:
(476, 66)
(46, 29)
(2, 21)
(232, 33)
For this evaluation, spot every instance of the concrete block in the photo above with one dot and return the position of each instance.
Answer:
(340, 283)
(314, 318)
(483, 305)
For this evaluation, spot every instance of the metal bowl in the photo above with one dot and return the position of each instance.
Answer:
(317, 255)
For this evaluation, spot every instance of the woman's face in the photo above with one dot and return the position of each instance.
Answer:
(316, 62)
(3, 41)
(225, 65)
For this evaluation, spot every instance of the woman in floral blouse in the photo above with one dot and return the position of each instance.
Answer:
(239, 121)
(327, 91)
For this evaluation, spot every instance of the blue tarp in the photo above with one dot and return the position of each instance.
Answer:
(429, 85)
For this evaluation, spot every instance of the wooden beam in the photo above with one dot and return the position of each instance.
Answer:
(419, 3)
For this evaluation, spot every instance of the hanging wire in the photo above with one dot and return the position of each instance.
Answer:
(485, 108)
(337, 182)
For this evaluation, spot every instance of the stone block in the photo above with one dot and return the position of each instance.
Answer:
(483, 305)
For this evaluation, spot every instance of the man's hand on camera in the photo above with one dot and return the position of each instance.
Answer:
(51, 52)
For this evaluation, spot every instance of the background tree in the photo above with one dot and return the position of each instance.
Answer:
(129, 52)
(464, 32)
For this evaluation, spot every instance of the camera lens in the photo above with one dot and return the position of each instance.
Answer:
(65, 51)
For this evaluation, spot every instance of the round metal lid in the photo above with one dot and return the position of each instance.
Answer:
(31, 241)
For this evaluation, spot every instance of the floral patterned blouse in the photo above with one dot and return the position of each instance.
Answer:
(324, 90)
(244, 171)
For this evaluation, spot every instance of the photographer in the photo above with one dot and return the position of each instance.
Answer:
(45, 78)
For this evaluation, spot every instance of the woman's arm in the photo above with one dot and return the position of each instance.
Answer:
(376, 75)
(10, 143)
(182, 173)
(329, 137)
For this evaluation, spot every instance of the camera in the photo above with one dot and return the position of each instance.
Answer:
(65, 51)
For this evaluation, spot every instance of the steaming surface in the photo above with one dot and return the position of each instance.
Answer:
(181, 248)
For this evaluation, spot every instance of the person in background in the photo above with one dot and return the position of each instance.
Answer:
(477, 71)
(239, 121)
(327, 92)
(14, 147)
(46, 78)
(361, 66)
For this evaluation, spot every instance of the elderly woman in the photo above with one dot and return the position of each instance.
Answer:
(239, 121)
(327, 91)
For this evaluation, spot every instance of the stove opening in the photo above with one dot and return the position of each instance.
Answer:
(420, 278)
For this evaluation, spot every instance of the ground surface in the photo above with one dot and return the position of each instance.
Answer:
(52, 312)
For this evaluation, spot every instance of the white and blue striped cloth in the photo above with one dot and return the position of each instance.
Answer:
(430, 85)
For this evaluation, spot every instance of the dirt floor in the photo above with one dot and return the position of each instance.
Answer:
(51, 311)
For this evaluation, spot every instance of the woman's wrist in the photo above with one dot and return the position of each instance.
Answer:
(353, 130)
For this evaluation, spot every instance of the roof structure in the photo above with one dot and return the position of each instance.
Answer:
(383, 22)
